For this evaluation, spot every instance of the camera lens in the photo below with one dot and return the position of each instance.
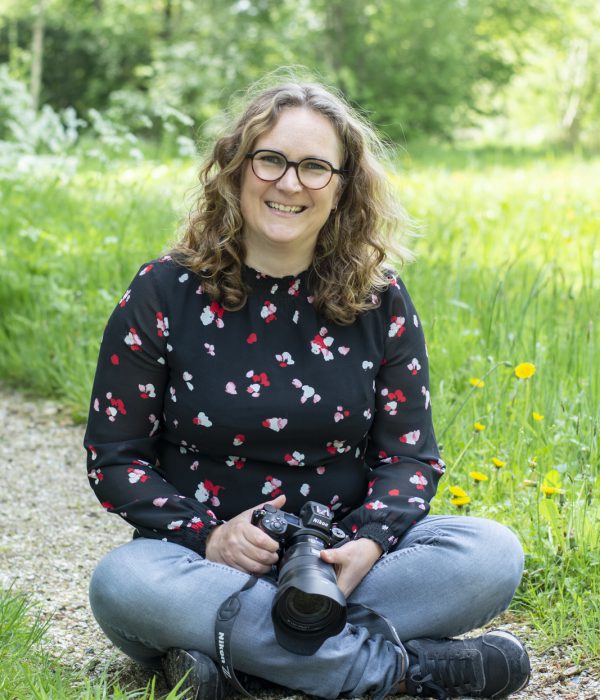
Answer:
(307, 608)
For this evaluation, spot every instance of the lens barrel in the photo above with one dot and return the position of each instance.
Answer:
(308, 607)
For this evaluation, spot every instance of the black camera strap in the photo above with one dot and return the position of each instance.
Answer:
(226, 616)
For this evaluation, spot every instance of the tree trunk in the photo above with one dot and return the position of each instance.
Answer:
(37, 54)
(577, 65)
(167, 19)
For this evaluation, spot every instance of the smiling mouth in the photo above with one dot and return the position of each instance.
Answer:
(288, 209)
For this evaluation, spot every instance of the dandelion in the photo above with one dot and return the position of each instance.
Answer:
(550, 490)
(479, 383)
(478, 427)
(525, 370)
(537, 416)
(457, 491)
(477, 477)
(498, 463)
(460, 501)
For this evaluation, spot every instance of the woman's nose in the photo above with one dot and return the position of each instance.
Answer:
(289, 181)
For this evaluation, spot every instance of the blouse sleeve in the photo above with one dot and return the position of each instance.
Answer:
(402, 453)
(125, 421)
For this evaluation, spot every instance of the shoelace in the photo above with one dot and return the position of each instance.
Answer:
(446, 676)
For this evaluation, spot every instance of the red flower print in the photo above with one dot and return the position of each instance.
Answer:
(411, 438)
(414, 366)
(146, 270)
(114, 359)
(393, 492)
(268, 312)
(397, 327)
(271, 487)
(321, 343)
(252, 338)
(162, 324)
(133, 340)
(419, 480)
(294, 289)
(125, 298)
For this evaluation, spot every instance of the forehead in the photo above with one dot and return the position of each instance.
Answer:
(300, 132)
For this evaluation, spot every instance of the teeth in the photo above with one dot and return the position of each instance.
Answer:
(283, 207)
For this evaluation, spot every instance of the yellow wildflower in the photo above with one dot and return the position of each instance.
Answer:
(478, 476)
(460, 501)
(498, 463)
(457, 491)
(525, 370)
(479, 383)
(478, 426)
(537, 416)
(549, 490)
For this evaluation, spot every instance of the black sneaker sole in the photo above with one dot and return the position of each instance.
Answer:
(202, 679)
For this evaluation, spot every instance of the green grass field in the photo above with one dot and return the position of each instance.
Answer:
(507, 273)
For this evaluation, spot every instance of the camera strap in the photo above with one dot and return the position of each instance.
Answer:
(224, 623)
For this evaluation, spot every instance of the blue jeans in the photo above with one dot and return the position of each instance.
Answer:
(447, 575)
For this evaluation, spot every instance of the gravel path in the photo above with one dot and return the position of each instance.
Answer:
(54, 530)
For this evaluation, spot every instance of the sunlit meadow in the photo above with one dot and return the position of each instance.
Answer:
(506, 282)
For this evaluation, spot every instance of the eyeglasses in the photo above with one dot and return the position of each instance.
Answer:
(312, 173)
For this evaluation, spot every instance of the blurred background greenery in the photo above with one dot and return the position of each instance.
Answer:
(519, 72)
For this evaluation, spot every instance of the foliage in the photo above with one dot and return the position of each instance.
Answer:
(414, 67)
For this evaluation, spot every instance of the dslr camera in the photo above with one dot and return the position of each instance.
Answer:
(308, 607)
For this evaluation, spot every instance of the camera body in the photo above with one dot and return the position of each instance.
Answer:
(282, 526)
(308, 607)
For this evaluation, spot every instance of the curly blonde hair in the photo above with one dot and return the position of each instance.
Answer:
(348, 263)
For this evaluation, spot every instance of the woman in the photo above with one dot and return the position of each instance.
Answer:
(272, 357)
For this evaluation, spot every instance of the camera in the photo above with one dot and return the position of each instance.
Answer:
(308, 607)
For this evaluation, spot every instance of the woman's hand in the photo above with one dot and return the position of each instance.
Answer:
(242, 545)
(352, 562)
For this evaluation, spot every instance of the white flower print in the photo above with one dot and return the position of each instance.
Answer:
(419, 480)
(308, 392)
(268, 312)
(425, 393)
(137, 475)
(133, 340)
(275, 424)
(414, 366)
(202, 419)
(187, 377)
(375, 505)
(125, 298)
(411, 438)
(285, 359)
(397, 327)
(175, 525)
(419, 501)
(321, 343)
(296, 459)
(159, 502)
(147, 391)
(162, 325)
(305, 489)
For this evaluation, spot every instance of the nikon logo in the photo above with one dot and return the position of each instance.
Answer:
(224, 668)
(318, 521)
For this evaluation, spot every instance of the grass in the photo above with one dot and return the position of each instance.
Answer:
(29, 672)
(507, 273)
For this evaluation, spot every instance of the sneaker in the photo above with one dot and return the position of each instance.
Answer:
(203, 680)
(491, 666)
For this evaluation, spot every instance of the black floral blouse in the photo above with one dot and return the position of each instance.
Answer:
(198, 413)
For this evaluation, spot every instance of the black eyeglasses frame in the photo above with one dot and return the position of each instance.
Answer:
(293, 164)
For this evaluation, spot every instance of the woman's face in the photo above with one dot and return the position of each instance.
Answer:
(284, 217)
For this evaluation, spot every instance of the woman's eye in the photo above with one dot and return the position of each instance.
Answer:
(315, 166)
(271, 159)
